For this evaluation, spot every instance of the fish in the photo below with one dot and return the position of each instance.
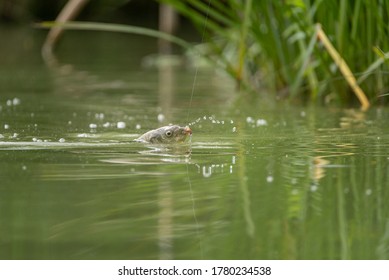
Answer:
(169, 134)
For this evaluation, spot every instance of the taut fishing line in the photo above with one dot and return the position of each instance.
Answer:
(187, 120)
(197, 65)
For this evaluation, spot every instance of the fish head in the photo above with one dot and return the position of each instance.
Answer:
(166, 135)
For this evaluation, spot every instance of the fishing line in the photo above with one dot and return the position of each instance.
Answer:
(197, 65)
(187, 121)
(194, 213)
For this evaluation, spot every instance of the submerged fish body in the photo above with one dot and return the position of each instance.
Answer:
(165, 135)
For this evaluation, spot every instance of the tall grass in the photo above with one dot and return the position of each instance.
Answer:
(272, 46)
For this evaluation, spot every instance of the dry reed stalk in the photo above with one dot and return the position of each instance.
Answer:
(341, 63)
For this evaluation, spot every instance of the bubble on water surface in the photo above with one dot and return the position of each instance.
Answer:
(61, 140)
(313, 188)
(368, 192)
(106, 125)
(161, 117)
(138, 126)
(13, 102)
(249, 120)
(207, 172)
(92, 125)
(24, 167)
(82, 135)
(16, 101)
(121, 125)
(234, 129)
(261, 122)
(6, 126)
(212, 119)
(99, 116)
(269, 179)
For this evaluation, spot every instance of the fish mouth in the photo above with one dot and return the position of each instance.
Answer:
(187, 130)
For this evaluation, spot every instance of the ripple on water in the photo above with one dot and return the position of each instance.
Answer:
(23, 145)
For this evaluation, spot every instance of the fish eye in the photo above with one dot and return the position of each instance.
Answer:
(168, 133)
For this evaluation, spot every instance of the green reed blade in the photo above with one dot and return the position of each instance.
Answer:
(95, 26)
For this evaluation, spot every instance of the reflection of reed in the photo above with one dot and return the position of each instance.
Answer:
(320, 163)
(342, 218)
(318, 171)
(383, 244)
(165, 221)
(353, 119)
(165, 200)
(241, 162)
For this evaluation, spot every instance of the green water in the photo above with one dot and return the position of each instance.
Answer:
(258, 180)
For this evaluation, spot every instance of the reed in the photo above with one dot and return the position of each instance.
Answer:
(120, 28)
(275, 48)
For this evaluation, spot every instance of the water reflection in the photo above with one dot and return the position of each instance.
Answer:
(352, 120)
(258, 181)
(318, 170)
(280, 196)
(215, 168)
(165, 221)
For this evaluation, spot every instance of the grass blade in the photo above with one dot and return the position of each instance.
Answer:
(95, 26)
